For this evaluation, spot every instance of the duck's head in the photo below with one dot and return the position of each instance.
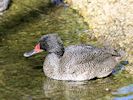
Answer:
(50, 43)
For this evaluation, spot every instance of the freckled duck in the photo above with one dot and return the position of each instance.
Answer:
(75, 62)
(3, 5)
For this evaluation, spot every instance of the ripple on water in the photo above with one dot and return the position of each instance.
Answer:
(124, 93)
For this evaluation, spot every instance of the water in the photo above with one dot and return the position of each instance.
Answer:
(23, 79)
(124, 93)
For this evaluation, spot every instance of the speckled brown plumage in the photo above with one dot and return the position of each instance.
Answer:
(76, 62)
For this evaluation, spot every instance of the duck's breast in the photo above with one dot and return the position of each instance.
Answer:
(51, 65)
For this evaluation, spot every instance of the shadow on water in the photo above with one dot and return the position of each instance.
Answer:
(9, 23)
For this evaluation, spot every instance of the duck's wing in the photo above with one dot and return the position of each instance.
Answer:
(77, 56)
(74, 55)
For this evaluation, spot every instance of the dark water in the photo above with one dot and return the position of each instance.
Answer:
(23, 79)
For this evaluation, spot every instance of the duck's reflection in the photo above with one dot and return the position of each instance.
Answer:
(67, 90)
(64, 90)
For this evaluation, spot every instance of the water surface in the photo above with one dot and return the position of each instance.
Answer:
(23, 79)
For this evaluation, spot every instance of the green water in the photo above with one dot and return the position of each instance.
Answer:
(22, 78)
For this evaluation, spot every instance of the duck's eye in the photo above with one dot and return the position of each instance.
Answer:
(46, 38)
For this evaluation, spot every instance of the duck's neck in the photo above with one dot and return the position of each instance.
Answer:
(58, 50)
(59, 53)
(51, 65)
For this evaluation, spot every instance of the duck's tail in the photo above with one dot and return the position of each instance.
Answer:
(114, 52)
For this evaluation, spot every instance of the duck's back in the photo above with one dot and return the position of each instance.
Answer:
(79, 54)
(86, 61)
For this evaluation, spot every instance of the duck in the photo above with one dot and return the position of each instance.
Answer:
(4, 5)
(75, 62)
